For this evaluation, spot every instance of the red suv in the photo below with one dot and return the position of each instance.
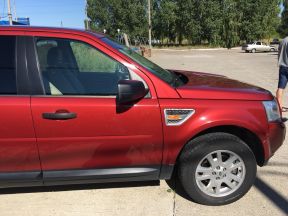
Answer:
(77, 107)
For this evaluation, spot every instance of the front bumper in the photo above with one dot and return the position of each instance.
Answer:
(275, 138)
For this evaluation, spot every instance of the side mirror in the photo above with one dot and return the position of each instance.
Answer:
(130, 91)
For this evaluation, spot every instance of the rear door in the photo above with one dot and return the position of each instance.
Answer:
(81, 131)
(19, 159)
(259, 46)
(266, 48)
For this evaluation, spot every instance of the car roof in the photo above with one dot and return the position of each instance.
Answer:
(50, 29)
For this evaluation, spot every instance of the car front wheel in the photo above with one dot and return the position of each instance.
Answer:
(272, 50)
(217, 169)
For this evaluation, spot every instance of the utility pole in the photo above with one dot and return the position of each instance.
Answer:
(9, 13)
(86, 21)
(149, 23)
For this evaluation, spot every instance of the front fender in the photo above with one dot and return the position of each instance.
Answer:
(249, 115)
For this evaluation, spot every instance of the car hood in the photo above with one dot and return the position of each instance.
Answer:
(211, 86)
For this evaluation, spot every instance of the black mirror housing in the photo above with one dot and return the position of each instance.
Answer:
(130, 91)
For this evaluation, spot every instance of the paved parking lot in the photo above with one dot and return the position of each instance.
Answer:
(269, 196)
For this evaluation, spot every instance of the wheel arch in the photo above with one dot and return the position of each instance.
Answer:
(250, 138)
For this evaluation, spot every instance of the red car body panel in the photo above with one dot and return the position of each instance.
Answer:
(275, 138)
(244, 114)
(17, 138)
(210, 86)
(101, 136)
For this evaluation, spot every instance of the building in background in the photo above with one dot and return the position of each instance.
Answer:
(23, 20)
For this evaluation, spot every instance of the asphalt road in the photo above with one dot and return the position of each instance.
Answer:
(269, 196)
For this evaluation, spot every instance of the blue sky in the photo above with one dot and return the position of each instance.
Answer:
(49, 12)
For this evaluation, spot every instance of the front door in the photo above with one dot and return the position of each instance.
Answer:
(79, 127)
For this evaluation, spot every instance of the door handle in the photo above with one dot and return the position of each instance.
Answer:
(59, 115)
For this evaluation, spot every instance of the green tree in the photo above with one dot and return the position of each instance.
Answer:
(270, 19)
(200, 21)
(164, 19)
(230, 26)
(130, 16)
(258, 19)
(186, 26)
(283, 28)
(209, 19)
(217, 22)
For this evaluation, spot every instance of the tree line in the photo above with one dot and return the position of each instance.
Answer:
(283, 28)
(215, 22)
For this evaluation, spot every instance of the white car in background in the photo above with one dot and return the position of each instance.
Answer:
(258, 46)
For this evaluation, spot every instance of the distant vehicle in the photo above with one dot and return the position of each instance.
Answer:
(258, 46)
(275, 41)
(275, 44)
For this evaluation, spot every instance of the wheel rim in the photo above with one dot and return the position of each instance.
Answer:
(220, 173)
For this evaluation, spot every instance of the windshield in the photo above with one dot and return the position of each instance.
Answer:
(165, 75)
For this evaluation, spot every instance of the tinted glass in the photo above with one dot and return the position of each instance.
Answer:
(91, 60)
(163, 74)
(7, 65)
(71, 67)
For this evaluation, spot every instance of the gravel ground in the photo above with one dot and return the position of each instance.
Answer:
(269, 196)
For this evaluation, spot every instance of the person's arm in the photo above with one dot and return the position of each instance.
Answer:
(280, 49)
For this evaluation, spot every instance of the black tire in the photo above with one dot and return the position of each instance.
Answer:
(253, 50)
(272, 50)
(196, 150)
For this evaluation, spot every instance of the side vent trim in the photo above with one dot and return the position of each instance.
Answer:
(176, 117)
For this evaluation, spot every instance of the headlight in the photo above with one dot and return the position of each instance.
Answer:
(272, 110)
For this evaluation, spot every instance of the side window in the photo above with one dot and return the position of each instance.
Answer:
(42, 48)
(8, 65)
(71, 67)
(258, 43)
(90, 60)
